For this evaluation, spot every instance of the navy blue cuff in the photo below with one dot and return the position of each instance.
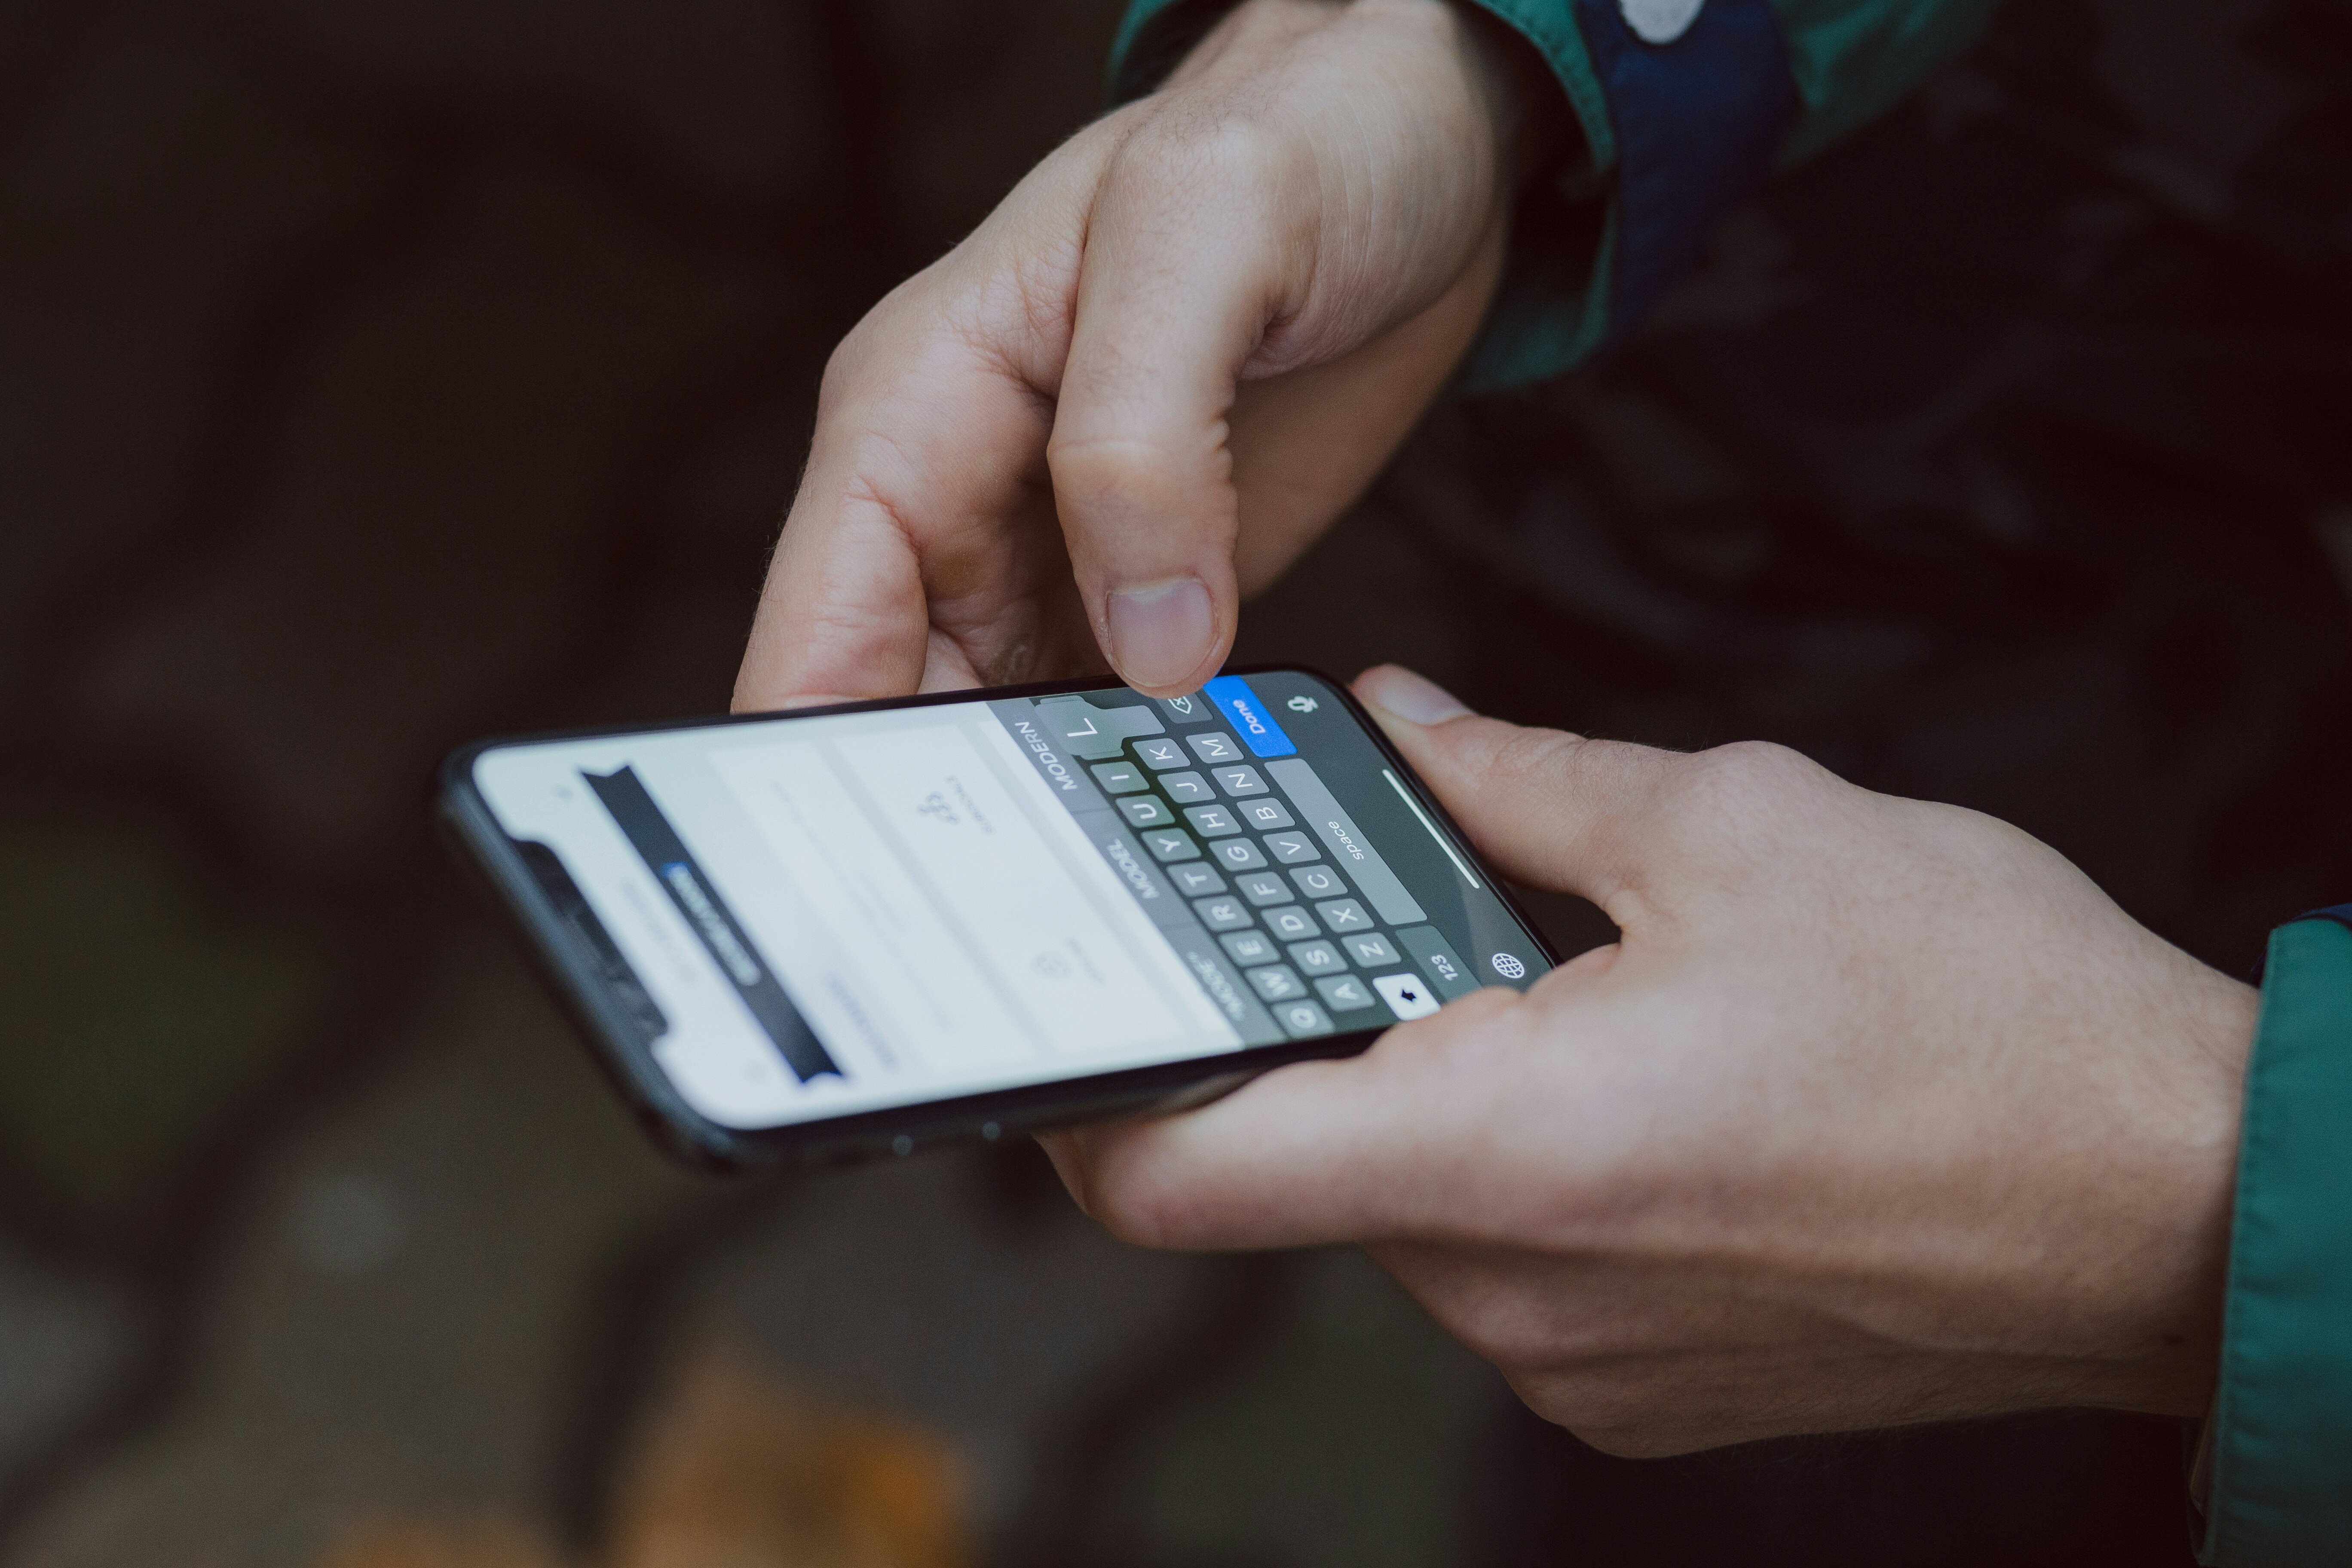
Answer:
(1699, 120)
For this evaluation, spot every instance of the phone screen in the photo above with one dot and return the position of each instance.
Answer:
(821, 915)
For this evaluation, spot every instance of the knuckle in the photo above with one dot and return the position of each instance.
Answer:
(1535, 757)
(841, 372)
(1120, 478)
(1180, 150)
(1761, 765)
(1626, 1440)
(1127, 1221)
(1119, 462)
(1501, 1326)
(1617, 1414)
(1505, 1339)
(848, 367)
(1742, 781)
(1137, 1211)
(879, 346)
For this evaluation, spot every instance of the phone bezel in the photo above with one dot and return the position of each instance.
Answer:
(556, 950)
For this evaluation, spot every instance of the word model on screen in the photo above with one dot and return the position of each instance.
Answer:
(867, 928)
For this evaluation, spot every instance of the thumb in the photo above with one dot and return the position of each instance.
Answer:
(1180, 278)
(1547, 809)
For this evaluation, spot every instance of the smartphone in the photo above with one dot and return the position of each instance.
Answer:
(865, 928)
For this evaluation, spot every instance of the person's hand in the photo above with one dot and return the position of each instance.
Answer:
(1879, 1111)
(1156, 371)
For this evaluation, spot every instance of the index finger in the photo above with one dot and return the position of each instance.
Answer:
(916, 471)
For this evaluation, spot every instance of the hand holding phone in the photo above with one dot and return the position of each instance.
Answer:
(868, 928)
(1879, 1112)
(1165, 362)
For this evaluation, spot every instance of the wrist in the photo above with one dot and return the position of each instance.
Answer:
(2193, 1161)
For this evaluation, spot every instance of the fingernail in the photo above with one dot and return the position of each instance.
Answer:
(1408, 697)
(1161, 634)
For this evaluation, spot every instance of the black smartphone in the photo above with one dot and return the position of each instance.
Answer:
(869, 927)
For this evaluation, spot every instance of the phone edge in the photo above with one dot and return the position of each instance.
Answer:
(486, 849)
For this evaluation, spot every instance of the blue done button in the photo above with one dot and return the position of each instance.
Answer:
(1250, 715)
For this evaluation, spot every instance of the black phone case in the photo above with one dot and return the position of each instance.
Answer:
(560, 954)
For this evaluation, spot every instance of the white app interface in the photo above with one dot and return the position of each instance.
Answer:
(852, 911)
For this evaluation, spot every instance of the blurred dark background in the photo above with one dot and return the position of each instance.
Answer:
(373, 377)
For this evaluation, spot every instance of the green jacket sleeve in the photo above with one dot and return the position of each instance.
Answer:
(2281, 1437)
(1685, 106)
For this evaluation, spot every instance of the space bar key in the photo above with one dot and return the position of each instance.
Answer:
(1347, 842)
